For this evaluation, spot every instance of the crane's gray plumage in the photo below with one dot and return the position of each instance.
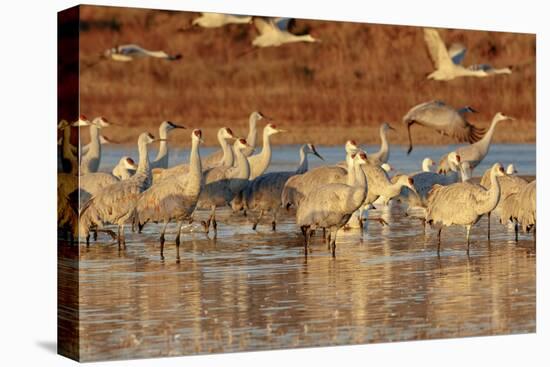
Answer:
(444, 119)
(263, 194)
(383, 155)
(476, 152)
(215, 158)
(175, 198)
(508, 185)
(115, 203)
(463, 203)
(132, 51)
(297, 186)
(331, 206)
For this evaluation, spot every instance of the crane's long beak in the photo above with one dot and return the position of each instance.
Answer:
(155, 140)
(391, 127)
(281, 130)
(175, 126)
(318, 155)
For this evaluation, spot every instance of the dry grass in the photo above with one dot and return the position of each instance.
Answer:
(357, 77)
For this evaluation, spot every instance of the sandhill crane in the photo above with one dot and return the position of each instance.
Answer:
(216, 20)
(447, 68)
(444, 119)
(175, 198)
(68, 152)
(125, 168)
(227, 158)
(161, 161)
(131, 52)
(263, 194)
(222, 183)
(297, 187)
(476, 152)
(274, 32)
(508, 185)
(224, 134)
(388, 168)
(511, 169)
(383, 155)
(215, 158)
(463, 203)
(332, 205)
(90, 161)
(115, 203)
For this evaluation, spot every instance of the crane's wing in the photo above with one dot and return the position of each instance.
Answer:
(445, 120)
(263, 26)
(284, 24)
(130, 49)
(457, 52)
(436, 48)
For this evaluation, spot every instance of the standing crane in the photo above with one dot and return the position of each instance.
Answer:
(115, 203)
(463, 203)
(332, 205)
(263, 194)
(175, 198)
(90, 161)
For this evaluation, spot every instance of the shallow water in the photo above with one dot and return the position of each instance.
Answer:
(286, 157)
(252, 290)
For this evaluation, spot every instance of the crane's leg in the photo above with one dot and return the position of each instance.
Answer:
(274, 221)
(468, 239)
(119, 239)
(95, 234)
(439, 240)
(180, 224)
(305, 233)
(162, 239)
(324, 233)
(257, 220)
(333, 245)
(88, 240)
(123, 236)
(516, 230)
(489, 225)
(308, 241)
(328, 239)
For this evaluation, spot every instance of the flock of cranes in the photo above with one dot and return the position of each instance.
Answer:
(277, 31)
(327, 198)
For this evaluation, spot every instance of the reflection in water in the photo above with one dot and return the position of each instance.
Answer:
(248, 290)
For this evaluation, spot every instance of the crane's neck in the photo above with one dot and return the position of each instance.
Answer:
(95, 142)
(493, 195)
(252, 131)
(162, 155)
(303, 167)
(195, 165)
(485, 142)
(265, 154)
(360, 180)
(67, 151)
(384, 148)
(144, 165)
(228, 157)
(351, 172)
(242, 170)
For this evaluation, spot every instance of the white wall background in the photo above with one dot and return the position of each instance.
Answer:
(28, 117)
